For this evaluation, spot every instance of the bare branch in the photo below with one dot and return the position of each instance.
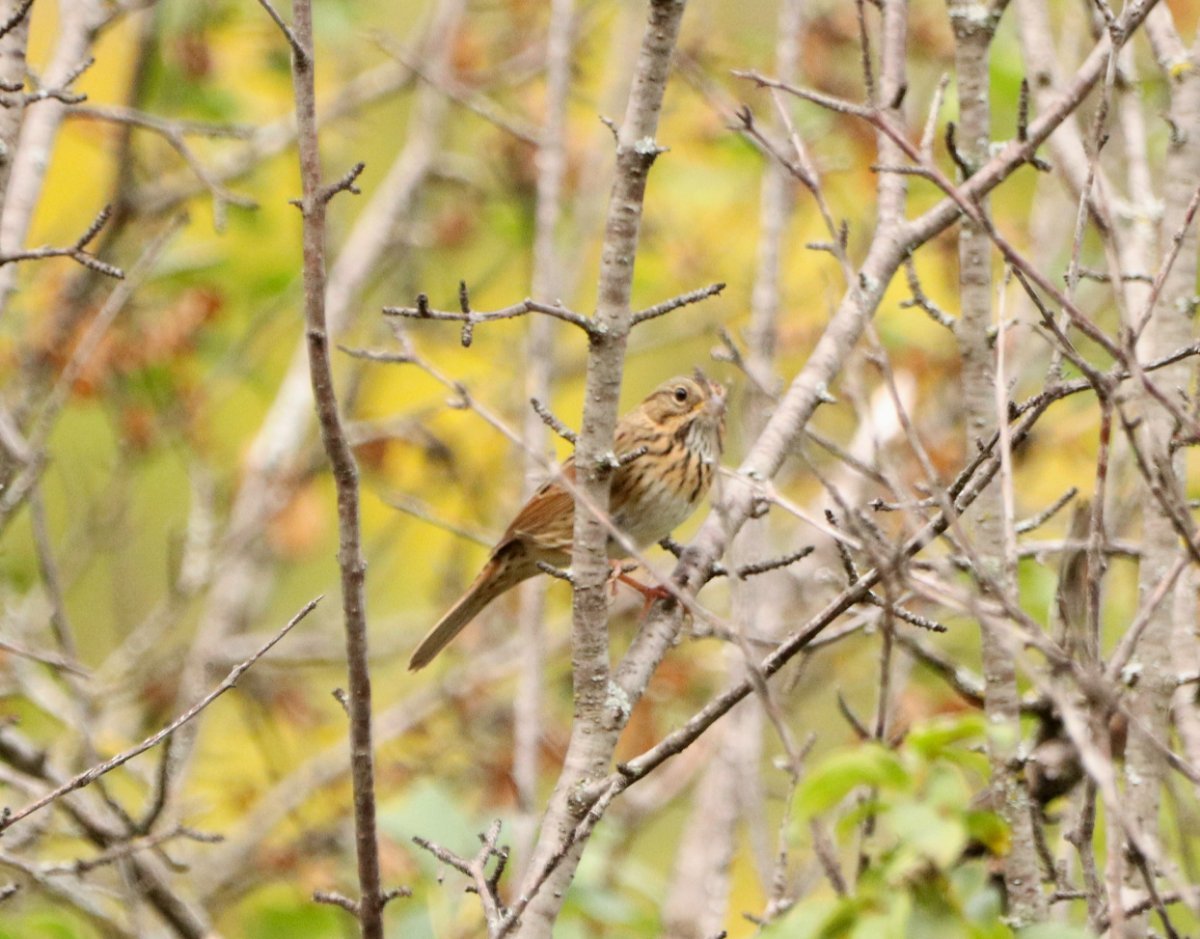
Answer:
(351, 563)
(90, 775)
(422, 312)
(774, 564)
(16, 18)
(553, 422)
(667, 306)
(301, 53)
(75, 252)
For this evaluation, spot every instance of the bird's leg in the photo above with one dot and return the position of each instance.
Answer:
(649, 593)
(619, 571)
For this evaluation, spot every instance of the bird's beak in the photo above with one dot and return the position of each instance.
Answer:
(716, 397)
(716, 393)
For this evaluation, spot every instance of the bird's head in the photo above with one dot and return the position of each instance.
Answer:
(691, 406)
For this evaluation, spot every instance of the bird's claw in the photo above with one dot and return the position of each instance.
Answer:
(650, 592)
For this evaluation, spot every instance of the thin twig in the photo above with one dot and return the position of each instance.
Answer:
(422, 311)
(667, 306)
(553, 422)
(351, 563)
(93, 773)
(75, 251)
(299, 51)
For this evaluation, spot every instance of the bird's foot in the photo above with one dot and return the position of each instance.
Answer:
(619, 571)
(650, 592)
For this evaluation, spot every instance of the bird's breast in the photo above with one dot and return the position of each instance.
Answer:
(661, 498)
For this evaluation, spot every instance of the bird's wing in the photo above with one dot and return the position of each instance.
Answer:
(548, 517)
(553, 505)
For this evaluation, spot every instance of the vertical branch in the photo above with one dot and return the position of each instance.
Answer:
(1169, 326)
(893, 86)
(283, 440)
(551, 165)
(599, 714)
(369, 907)
(732, 787)
(27, 172)
(696, 903)
(893, 240)
(775, 204)
(1078, 161)
(973, 37)
(12, 75)
(1135, 252)
(1185, 714)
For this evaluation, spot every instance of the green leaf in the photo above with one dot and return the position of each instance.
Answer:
(946, 788)
(989, 829)
(943, 737)
(936, 836)
(821, 917)
(1055, 931)
(46, 926)
(427, 809)
(981, 902)
(890, 922)
(830, 781)
(299, 918)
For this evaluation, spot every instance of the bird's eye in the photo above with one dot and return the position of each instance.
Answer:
(681, 394)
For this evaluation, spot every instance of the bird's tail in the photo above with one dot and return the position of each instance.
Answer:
(498, 575)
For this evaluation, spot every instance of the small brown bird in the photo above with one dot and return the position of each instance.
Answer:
(681, 426)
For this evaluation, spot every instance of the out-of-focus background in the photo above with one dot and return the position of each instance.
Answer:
(185, 511)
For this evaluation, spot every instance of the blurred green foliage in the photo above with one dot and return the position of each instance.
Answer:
(918, 799)
(165, 415)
